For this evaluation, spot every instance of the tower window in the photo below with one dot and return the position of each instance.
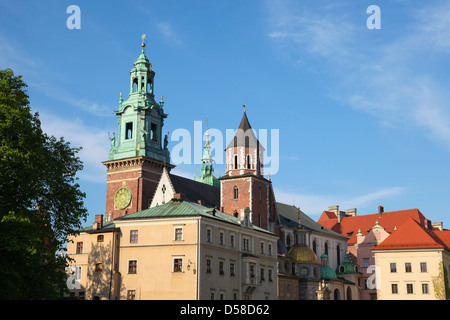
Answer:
(249, 162)
(235, 162)
(235, 192)
(128, 130)
(135, 84)
(153, 131)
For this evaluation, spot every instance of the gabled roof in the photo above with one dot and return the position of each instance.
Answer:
(350, 225)
(195, 190)
(245, 137)
(412, 235)
(289, 217)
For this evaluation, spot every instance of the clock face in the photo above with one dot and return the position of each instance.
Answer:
(122, 198)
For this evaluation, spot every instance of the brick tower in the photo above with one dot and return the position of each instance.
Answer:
(137, 160)
(244, 184)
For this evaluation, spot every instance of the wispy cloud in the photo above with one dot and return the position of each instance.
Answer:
(169, 33)
(94, 143)
(396, 79)
(316, 204)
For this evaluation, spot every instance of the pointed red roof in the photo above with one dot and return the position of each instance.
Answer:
(350, 225)
(412, 235)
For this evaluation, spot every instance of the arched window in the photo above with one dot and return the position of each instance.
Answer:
(236, 162)
(235, 193)
(349, 293)
(337, 294)
(135, 84)
(249, 164)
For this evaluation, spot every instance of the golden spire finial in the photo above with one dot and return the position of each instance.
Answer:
(244, 107)
(143, 40)
(206, 123)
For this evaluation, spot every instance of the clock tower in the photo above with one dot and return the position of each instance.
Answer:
(138, 153)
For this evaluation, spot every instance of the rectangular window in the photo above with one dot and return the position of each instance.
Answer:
(100, 238)
(221, 268)
(131, 294)
(262, 247)
(269, 274)
(153, 130)
(129, 130)
(178, 234)
(252, 271)
(270, 249)
(409, 288)
(232, 240)
(178, 265)
(246, 244)
(394, 288)
(79, 247)
(231, 269)
(132, 266)
(221, 237)
(208, 235)
(425, 288)
(208, 265)
(262, 274)
(393, 267)
(408, 267)
(133, 236)
(366, 262)
(423, 267)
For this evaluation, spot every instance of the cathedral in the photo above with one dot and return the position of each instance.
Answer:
(164, 236)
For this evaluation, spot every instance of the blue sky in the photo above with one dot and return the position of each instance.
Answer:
(363, 115)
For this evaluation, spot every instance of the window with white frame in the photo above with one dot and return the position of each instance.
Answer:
(177, 264)
(178, 233)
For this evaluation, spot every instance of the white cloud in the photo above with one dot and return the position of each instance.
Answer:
(397, 79)
(316, 204)
(168, 33)
(95, 143)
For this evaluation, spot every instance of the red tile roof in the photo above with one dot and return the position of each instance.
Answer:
(350, 225)
(413, 235)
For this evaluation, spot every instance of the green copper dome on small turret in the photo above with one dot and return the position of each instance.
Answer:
(325, 271)
(347, 265)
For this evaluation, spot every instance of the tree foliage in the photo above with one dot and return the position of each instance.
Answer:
(40, 201)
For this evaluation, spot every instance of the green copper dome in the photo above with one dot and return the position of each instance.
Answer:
(347, 265)
(325, 271)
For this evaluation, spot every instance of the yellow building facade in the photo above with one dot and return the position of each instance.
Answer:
(180, 250)
(413, 263)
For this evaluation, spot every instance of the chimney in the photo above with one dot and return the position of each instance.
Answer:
(178, 196)
(438, 225)
(98, 222)
(380, 211)
(351, 212)
(339, 214)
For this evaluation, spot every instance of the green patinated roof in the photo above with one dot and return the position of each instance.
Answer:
(289, 217)
(350, 267)
(175, 209)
